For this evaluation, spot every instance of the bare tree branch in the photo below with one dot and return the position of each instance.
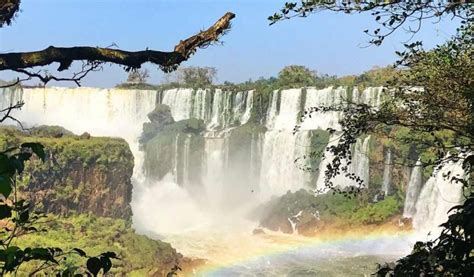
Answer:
(76, 77)
(166, 60)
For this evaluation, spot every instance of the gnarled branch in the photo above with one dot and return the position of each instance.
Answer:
(166, 60)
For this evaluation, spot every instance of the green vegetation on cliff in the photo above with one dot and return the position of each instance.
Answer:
(82, 182)
(138, 254)
(333, 209)
(103, 151)
(79, 174)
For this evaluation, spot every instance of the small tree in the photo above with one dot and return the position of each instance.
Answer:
(296, 75)
(138, 76)
(194, 76)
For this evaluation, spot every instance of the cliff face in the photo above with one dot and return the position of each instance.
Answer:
(81, 174)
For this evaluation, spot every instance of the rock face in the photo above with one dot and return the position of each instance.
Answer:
(175, 148)
(291, 213)
(79, 175)
(159, 117)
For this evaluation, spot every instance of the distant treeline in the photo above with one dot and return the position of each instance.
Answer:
(292, 76)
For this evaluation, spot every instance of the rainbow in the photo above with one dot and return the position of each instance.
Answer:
(251, 251)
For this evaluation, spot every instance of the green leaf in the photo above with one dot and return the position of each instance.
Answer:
(5, 211)
(110, 254)
(94, 265)
(24, 216)
(6, 166)
(37, 148)
(24, 156)
(5, 186)
(106, 264)
(18, 164)
(81, 252)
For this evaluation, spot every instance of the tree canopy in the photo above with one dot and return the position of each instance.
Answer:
(391, 15)
(194, 76)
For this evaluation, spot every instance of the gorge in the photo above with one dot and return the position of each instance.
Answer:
(216, 162)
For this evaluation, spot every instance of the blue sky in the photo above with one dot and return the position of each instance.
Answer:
(326, 42)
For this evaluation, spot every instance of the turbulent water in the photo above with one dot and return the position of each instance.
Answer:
(167, 207)
(438, 195)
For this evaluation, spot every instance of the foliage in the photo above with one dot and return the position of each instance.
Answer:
(378, 212)
(18, 220)
(431, 107)
(193, 76)
(431, 100)
(331, 208)
(102, 151)
(391, 15)
(451, 254)
(8, 10)
(296, 75)
(138, 76)
(49, 131)
(76, 175)
(96, 235)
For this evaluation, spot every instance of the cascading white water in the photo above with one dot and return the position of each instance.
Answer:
(437, 196)
(387, 173)
(371, 96)
(413, 190)
(165, 207)
(360, 161)
(324, 97)
(281, 147)
(359, 165)
(218, 108)
(272, 111)
(101, 112)
(216, 159)
(121, 113)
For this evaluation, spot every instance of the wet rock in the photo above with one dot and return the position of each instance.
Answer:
(161, 116)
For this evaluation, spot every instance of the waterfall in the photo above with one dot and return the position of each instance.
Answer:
(324, 97)
(413, 190)
(279, 172)
(101, 112)
(438, 195)
(175, 172)
(237, 165)
(387, 173)
(371, 96)
(247, 108)
(360, 160)
(181, 101)
(359, 165)
(273, 109)
(215, 164)
(219, 109)
(281, 147)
